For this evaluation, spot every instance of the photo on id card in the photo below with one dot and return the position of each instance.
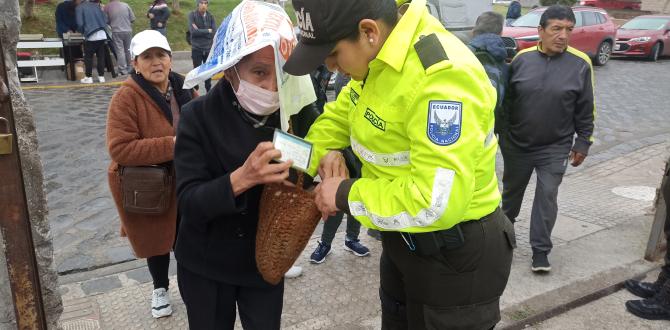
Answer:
(293, 148)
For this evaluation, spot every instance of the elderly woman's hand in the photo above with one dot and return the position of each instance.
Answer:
(333, 165)
(257, 169)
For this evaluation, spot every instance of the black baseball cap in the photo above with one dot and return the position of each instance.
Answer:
(322, 24)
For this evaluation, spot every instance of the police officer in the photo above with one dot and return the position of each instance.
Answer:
(418, 113)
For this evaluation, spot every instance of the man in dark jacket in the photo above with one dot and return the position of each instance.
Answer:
(66, 20)
(202, 27)
(91, 22)
(490, 49)
(548, 102)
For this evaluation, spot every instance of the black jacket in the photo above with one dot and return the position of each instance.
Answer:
(201, 38)
(217, 231)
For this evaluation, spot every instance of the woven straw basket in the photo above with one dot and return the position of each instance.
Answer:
(287, 219)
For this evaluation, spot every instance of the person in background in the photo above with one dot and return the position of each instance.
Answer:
(655, 304)
(66, 18)
(158, 15)
(320, 78)
(549, 123)
(202, 27)
(120, 18)
(513, 13)
(490, 50)
(141, 131)
(91, 22)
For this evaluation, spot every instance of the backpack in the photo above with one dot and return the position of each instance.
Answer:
(494, 71)
(188, 32)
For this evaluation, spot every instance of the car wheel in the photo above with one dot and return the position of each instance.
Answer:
(655, 52)
(604, 53)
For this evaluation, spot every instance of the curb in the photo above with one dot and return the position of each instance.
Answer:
(574, 295)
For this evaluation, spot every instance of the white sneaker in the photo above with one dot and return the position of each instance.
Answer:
(160, 303)
(101, 79)
(86, 80)
(294, 272)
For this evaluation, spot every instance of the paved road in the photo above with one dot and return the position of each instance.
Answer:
(632, 100)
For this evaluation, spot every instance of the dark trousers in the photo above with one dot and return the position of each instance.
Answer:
(211, 304)
(331, 225)
(665, 190)
(455, 288)
(549, 167)
(98, 49)
(159, 267)
(199, 57)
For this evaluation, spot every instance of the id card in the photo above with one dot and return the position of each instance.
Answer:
(293, 148)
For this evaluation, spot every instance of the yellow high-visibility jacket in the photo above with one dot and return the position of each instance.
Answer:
(422, 125)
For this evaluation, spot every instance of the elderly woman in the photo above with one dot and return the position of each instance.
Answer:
(142, 118)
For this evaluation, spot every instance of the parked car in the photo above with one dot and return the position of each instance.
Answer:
(644, 36)
(612, 4)
(594, 32)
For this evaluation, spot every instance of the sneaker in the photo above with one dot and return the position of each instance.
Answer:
(160, 303)
(355, 247)
(645, 289)
(540, 263)
(86, 80)
(320, 253)
(294, 272)
(101, 79)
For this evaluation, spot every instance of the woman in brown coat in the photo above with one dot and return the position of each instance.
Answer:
(141, 127)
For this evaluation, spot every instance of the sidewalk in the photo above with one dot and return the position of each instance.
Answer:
(600, 237)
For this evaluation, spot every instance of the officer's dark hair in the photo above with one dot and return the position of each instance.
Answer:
(557, 12)
(488, 22)
(385, 10)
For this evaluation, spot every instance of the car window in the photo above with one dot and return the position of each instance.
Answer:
(589, 18)
(578, 19)
(601, 18)
(531, 19)
(645, 23)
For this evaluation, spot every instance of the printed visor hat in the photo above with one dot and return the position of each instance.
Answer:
(148, 39)
(322, 24)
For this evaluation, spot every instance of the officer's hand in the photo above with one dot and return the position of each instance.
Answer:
(150, 15)
(325, 196)
(159, 24)
(333, 165)
(257, 169)
(576, 158)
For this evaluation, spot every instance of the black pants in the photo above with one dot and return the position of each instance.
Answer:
(665, 190)
(199, 57)
(211, 304)
(452, 289)
(331, 225)
(98, 49)
(159, 267)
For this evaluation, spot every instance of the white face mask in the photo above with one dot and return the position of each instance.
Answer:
(254, 99)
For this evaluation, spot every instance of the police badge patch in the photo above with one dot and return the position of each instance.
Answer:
(444, 122)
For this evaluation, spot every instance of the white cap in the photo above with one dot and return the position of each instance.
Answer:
(148, 39)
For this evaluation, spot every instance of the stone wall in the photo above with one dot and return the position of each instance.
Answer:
(10, 23)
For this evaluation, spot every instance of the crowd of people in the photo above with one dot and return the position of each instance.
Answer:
(407, 149)
(109, 28)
